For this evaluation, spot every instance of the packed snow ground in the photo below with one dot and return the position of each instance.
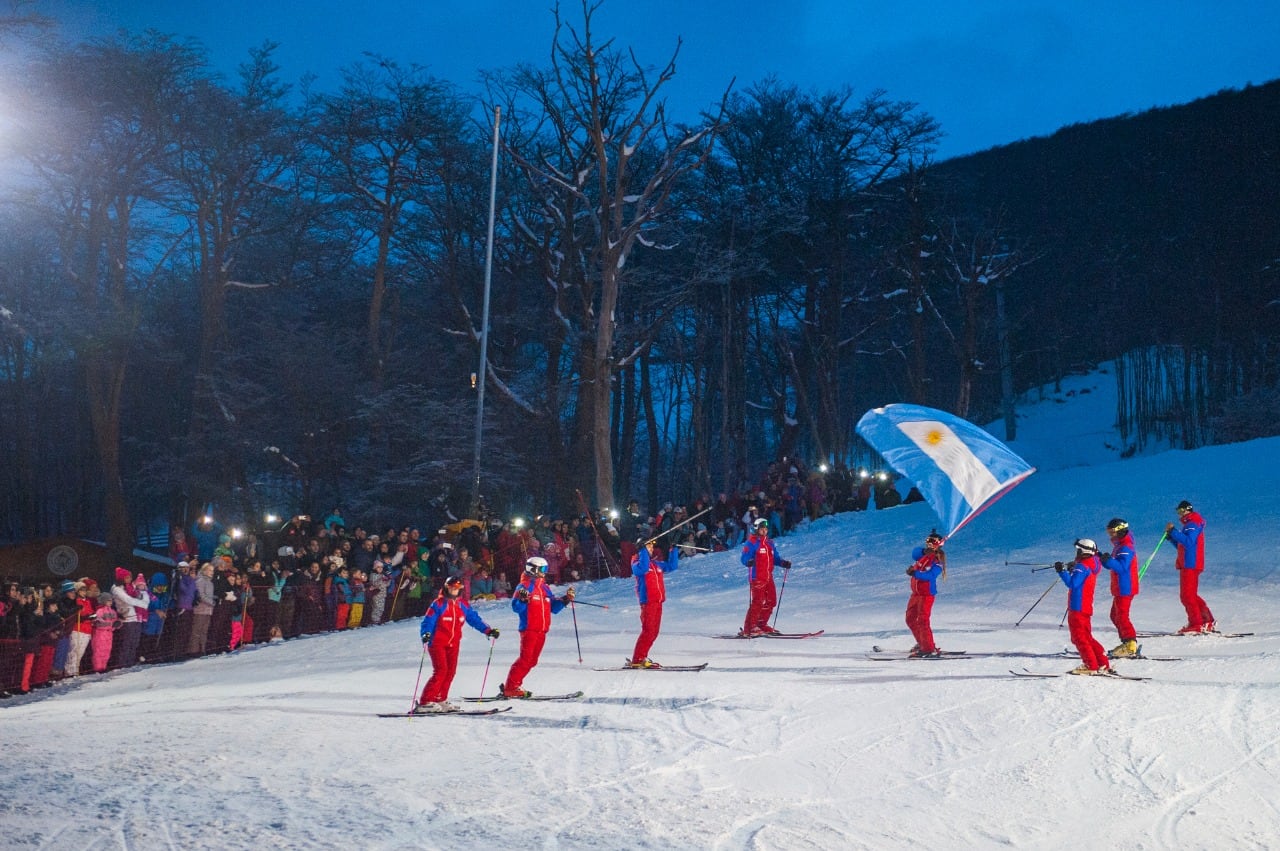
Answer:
(777, 745)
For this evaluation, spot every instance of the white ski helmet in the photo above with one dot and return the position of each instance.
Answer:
(1087, 546)
(536, 565)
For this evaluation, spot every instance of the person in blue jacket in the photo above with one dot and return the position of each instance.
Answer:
(441, 631)
(759, 557)
(928, 563)
(1080, 577)
(651, 589)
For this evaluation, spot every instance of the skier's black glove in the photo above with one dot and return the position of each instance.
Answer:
(1059, 566)
(426, 639)
(786, 565)
(493, 633)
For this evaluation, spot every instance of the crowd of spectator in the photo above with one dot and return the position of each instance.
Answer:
(308, 577)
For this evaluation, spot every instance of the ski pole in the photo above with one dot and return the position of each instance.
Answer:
(1038, 569)
(678, 525)
(1036, 603)
(1027, 563)
(585, 603)
(1065, 612)
(578, 641)
(418, 681)
(1159, 544)
(781, 591)
(485, 679)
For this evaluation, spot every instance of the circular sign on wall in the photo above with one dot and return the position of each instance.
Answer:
(62, 560)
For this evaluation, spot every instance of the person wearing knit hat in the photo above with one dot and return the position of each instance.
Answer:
(104, 624)
(128, 598)
(81, 631)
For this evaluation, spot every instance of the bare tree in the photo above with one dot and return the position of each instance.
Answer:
(602, 160)
(100, 129)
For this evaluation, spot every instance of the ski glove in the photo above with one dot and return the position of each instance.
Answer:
(786, 565)
(1059, 566)
(493, 633)
(426, 638)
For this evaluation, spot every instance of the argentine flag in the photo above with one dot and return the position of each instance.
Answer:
(958, 467)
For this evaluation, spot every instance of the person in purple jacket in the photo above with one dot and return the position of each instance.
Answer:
(651, 589)
(177, 632)
(1190, 564)
(928, 563)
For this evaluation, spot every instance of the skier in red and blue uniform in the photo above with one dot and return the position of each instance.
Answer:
(651, 589)
(535, 603)
(441, 632)
(1080, 577)
(929, 562)
(1190, 564)
(759, 556)
(1123, 564)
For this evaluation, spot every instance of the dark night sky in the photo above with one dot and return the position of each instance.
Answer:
(990, 71)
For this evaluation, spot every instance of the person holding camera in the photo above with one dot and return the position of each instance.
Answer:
(1080, 577)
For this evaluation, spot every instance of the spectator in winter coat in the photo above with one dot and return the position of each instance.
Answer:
(1080, 577)
(376, 592)
(157, 615)
(177, 633)
(535, 603)
(202, 613)
(759, 556)
(441, 632)
(1190, 564)
(1122, 561)
(651, 590)
(104, 626)
(127, 604)
(928, 563)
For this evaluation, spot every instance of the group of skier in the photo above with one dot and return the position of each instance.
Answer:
(534, 602)
(1080, 576)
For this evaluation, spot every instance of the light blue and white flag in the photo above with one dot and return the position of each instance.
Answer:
(959, 468)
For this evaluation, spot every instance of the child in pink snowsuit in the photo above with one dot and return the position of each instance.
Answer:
(104, 625)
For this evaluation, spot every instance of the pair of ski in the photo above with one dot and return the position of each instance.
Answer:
(497, 710)
(905, 656)
(1044, 675)
(1215, 634)
(673, 668)
(791, 635)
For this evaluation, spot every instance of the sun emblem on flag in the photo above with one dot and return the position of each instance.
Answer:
(934, 437)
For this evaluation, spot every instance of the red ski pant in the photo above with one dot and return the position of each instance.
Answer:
(919, 611)
(1198, 613)
(1120, 617)
(531, 643)
(341, 615)
(764, 596)
(444, 664)
(650, 623)
(1093, 654)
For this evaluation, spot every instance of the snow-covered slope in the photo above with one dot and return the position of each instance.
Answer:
(777, 745)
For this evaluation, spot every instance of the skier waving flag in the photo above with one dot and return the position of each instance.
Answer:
(958, 467)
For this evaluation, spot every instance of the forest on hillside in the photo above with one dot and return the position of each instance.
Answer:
(245, 292)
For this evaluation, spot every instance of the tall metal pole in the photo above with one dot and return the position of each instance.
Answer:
(484, 315)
